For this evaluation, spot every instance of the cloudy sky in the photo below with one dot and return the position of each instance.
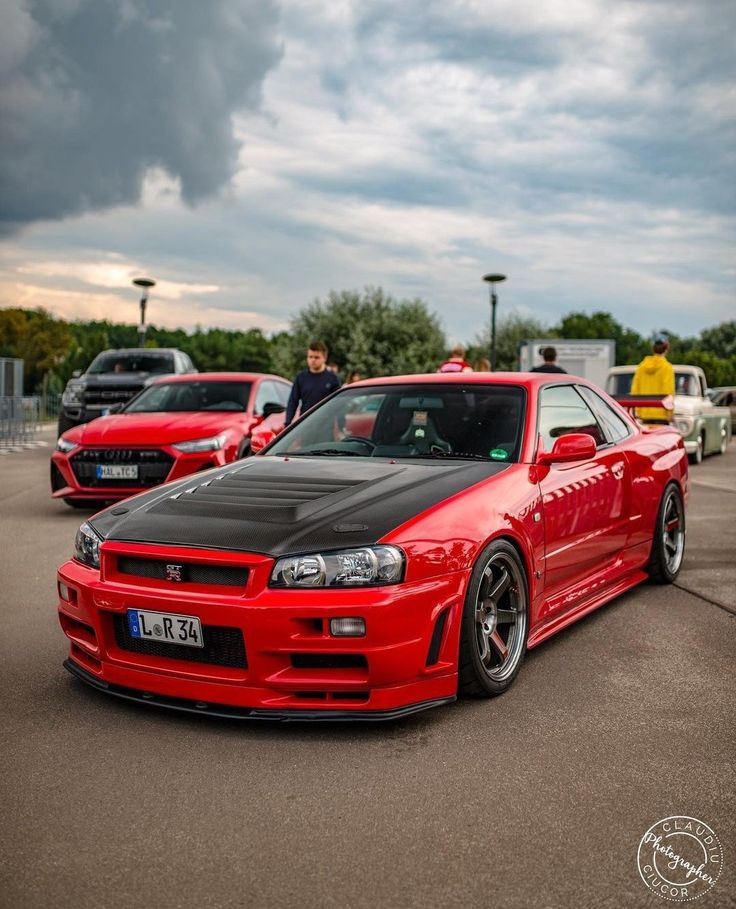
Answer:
(252, 155)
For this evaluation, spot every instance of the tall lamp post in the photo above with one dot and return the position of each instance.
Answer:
(145, 284)
(493, 280)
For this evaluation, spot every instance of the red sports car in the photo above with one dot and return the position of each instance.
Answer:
(176, 426)
(371, 574)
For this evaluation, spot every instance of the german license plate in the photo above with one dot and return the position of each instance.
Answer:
(165, 627)
(116, 471)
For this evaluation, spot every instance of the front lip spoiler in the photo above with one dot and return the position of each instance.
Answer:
(245, 713)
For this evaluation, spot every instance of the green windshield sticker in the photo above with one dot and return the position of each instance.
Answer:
(499, 454)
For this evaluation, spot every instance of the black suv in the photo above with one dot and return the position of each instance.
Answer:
(114, 377)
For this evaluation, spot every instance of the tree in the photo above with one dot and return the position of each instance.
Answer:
(369, 331)
(720, 340)
(38, 338)
(630, 346)
(510, 332)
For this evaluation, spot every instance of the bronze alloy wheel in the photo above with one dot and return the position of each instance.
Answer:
(495, 622)
(668, 544)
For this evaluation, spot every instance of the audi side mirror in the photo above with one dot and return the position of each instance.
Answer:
(271, 407)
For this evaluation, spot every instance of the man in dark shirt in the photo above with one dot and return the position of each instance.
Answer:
(549, 355)
(313, 383)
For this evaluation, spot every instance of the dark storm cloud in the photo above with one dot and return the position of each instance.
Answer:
(96, 92)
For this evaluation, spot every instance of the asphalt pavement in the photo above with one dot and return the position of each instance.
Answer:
(535, 799)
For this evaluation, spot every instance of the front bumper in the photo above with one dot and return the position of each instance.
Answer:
(293, 667)
(66, 485)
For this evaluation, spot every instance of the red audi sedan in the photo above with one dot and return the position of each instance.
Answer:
(405, 542)
(176, 426)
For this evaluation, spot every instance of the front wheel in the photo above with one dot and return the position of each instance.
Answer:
(697, 456)
(495, 622)
(668, 544)
(724, 440)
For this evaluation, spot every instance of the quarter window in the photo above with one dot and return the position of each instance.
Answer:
(615, 426)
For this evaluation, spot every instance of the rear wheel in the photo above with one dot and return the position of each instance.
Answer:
(495, 622)
(668, 544)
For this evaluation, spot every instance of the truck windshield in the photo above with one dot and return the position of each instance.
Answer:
(151, 364)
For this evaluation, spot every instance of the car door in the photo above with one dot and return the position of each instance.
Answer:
(584, 505)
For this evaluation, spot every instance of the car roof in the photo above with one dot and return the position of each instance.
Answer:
(219, 377)
(153, 351)
(525, 379)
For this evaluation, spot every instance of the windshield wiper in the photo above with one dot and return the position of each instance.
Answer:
(458, 455)
(326, 451)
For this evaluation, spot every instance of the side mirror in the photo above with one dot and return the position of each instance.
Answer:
(115, 408)
(575, 446)
(76, 373)
(271, 407)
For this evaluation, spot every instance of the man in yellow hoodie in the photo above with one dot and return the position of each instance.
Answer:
(654, 376)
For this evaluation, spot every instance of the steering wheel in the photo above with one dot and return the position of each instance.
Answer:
(369, 442)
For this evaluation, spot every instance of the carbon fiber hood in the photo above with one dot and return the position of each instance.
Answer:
(274, 505)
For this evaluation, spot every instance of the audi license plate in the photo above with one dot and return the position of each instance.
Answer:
(165, 627)
(116, 471)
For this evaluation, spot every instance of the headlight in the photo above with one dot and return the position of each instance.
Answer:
(211, 444)
(684, 424)
(87, 546)
(72, 395)
(65, 445)
(373, 565)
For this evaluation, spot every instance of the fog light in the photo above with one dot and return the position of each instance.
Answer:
(66, 593)
(347, 628)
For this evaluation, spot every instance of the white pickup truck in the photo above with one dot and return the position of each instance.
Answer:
(705, 428)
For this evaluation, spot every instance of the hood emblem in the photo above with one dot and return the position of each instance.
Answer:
(173, 572)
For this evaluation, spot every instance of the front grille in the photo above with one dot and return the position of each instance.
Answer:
(104, 397)
(222, 646)
(190, 573)
(153, 466)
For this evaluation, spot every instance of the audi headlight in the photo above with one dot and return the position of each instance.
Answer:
(366, 565)
(65, 445)
(87, 546)
(72, 395)
(211, 444)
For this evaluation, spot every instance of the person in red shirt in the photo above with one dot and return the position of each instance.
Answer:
(456, 361)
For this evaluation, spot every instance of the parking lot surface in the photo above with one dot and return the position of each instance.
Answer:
(538, 798)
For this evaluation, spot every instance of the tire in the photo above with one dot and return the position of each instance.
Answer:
(495, 623)
(244, 450)
(697, 456)
(668, 543)
(64, 424)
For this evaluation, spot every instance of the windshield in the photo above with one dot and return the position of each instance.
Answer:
(479, 422)
(685, 383)
(191, 396)
(152, 364)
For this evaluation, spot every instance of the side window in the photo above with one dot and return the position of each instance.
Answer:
(614, 425)
(562, 410)
(266, 392)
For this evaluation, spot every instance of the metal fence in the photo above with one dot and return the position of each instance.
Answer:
(21, 417)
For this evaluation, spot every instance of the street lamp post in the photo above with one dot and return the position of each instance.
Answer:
(145, 284)
(493, 280)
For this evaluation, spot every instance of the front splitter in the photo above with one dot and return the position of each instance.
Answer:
(201, 708)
